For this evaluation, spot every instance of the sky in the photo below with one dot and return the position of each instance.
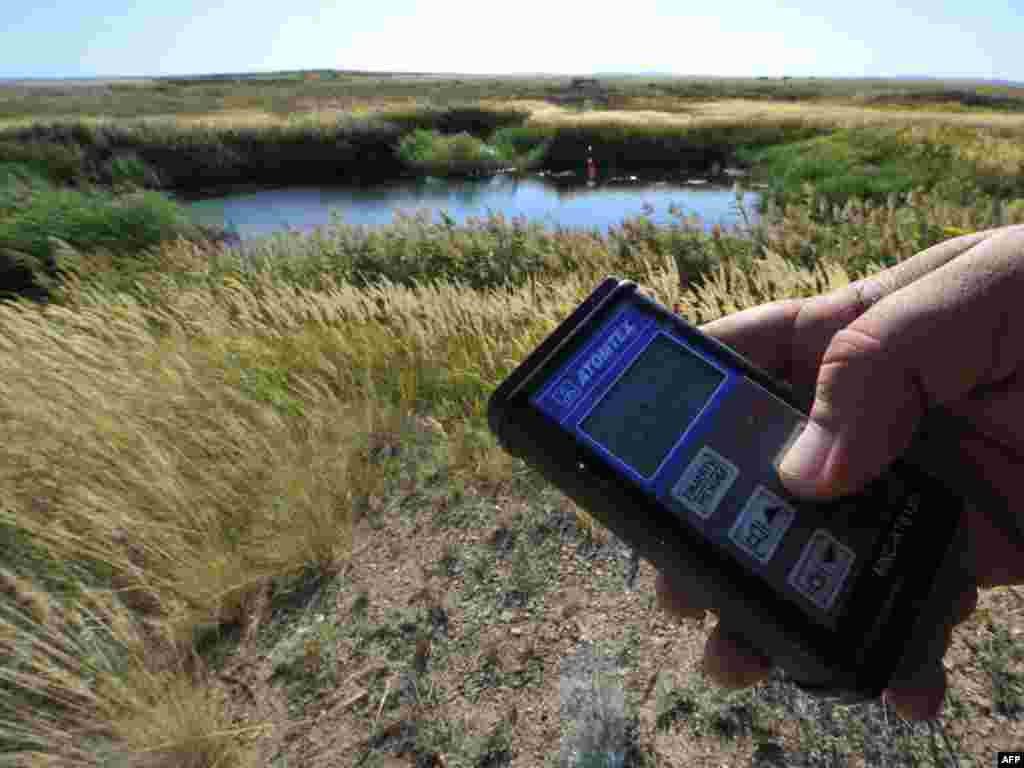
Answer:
(864, 38)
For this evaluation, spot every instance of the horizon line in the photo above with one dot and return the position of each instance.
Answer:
(508, 75)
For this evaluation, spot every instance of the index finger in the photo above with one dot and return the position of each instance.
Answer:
(787, 338)
(762, 334)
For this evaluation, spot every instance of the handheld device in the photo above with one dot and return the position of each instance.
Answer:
(672, 441)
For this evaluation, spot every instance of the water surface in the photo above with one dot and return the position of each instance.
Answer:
(600, 206)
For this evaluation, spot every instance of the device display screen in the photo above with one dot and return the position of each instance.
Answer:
(645, 412)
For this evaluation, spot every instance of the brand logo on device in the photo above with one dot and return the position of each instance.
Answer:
(572, 386)
(566, 393)
(899, 530)
(604, 354)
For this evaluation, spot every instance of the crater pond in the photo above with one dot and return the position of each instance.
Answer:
(555, 202)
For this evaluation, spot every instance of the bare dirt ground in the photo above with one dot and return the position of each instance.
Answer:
(446, 638)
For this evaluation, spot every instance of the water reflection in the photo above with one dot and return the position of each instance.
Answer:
(557, 202)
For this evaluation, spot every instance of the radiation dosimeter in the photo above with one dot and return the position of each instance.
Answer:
(672, 440)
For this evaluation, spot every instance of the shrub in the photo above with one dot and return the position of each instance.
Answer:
(41, 239)
(524, 146)
(129, 170)
(457, 155)
(61, 163)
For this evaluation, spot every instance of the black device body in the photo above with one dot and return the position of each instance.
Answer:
(896, 550)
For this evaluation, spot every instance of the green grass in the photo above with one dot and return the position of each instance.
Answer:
(487, 252)
(460, 154)
(61, 163)
(1000, 657)
(44, 229)
(873, 164)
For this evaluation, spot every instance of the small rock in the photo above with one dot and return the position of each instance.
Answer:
(573, 603)
(503, 541)
(514, 598)
(453, 567)
(431, 425)
(438, 618)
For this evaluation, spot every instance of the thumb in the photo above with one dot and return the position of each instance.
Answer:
(866, 408)
(930, 342)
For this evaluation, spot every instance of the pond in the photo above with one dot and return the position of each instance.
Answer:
(554, 202)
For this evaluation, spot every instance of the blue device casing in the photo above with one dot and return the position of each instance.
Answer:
(671, 439)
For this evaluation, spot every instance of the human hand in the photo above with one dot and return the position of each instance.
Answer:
(944, 328)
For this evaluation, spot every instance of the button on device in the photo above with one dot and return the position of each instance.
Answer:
(706, 479)
(762, 523)
(822, 569)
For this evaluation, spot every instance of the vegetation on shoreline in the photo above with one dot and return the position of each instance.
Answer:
(872, 164)
(44, 229)
(385, 145)
(212, 452)
(289, 93)
(964, 167)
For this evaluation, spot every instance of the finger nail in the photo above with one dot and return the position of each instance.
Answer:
(805, 459)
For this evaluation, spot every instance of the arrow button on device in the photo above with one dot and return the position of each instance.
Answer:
(761, 524)
(822, 569)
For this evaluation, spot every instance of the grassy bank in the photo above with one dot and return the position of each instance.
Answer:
(846, 152)
(967, 168)
(53, 169)
(44, 229)
(193, 157)
(874, 163)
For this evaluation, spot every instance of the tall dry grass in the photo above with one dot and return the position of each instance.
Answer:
(143, 446)
(142, 461)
